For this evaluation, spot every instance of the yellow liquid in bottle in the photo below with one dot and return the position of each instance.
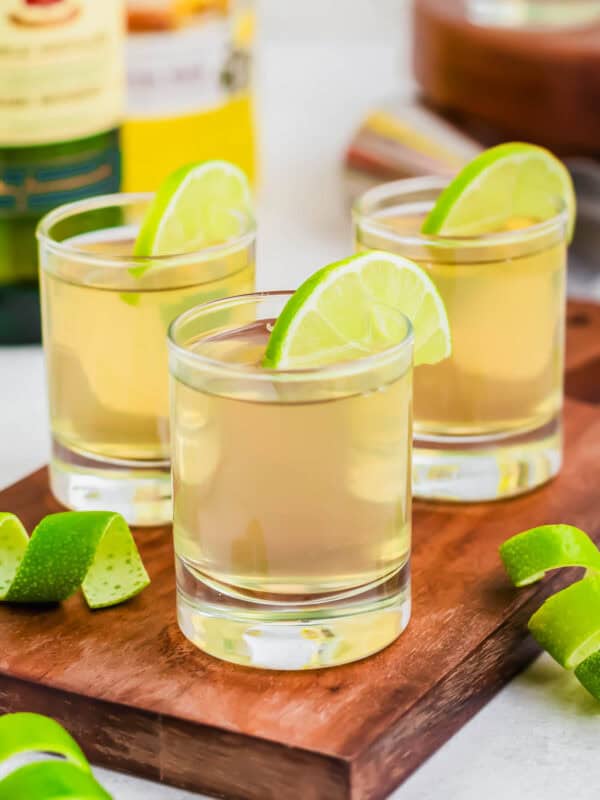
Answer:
(189, 95)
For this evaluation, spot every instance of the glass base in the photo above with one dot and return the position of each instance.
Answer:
(296, 635)
(475, 470)
(140, 493)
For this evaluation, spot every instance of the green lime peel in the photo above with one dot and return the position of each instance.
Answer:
(91, 550)
(567, 625)
(67, 779)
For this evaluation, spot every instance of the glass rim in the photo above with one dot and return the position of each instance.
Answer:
(117, 199)
(364, 209)
(339, 369)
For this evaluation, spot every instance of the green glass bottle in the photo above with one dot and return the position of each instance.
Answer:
(61, 104)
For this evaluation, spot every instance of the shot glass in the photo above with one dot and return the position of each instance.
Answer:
(488, 419)
(292, 505)
(105, 316)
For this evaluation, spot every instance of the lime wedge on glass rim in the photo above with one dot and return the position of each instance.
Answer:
(197, 206)
(342, 312)
(513, 181)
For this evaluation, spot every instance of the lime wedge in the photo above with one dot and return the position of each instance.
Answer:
(347, 310)
(197, 206)
(588, 674)
(568, 623)
(529, 555)
(93, 550)
(508, 182)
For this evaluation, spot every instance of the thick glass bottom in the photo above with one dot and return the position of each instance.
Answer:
(476, 470)
(274, 633)
(140, 492)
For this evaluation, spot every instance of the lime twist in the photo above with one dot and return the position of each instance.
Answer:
(505, 183)
(347, 310)
(567, 625)
(93, 550)
(67, 779)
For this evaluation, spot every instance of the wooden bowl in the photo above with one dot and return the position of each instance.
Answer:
(542, 85)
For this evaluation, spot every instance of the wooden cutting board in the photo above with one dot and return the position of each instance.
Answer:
(141, 699)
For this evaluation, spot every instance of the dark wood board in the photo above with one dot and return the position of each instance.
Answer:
(141, 699)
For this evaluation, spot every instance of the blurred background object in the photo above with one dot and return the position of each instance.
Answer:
(533, 13)
(403, 138)
(189, 98)
(540, 82)
(488, 71)
(61, 101)
(67, 133)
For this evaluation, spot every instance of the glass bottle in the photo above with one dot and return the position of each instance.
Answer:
(189, 87)
(61, 102)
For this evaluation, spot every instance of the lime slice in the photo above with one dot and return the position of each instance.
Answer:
(508, 182)
(93, 550)
(51, 780)
(588, 674)
(347, 310)
(568, 623)
(529, 555)
(197, 206)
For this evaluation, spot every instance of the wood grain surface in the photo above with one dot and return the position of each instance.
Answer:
(141, 699)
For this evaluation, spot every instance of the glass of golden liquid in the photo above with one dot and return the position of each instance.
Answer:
(292, 504)
(487, 419)
(105, 316)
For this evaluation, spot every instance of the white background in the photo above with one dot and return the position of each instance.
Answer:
(322, 64)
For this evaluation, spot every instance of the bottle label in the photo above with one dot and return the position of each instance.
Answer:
(29, 188)
(61, 69)
(180, 70)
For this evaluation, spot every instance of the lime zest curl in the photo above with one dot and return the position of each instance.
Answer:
(91, 550)
(528, 556)
(68, 779)
(588, 674)
(24, 732)
(567, 625)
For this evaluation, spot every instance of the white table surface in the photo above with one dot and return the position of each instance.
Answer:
(323, 63)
